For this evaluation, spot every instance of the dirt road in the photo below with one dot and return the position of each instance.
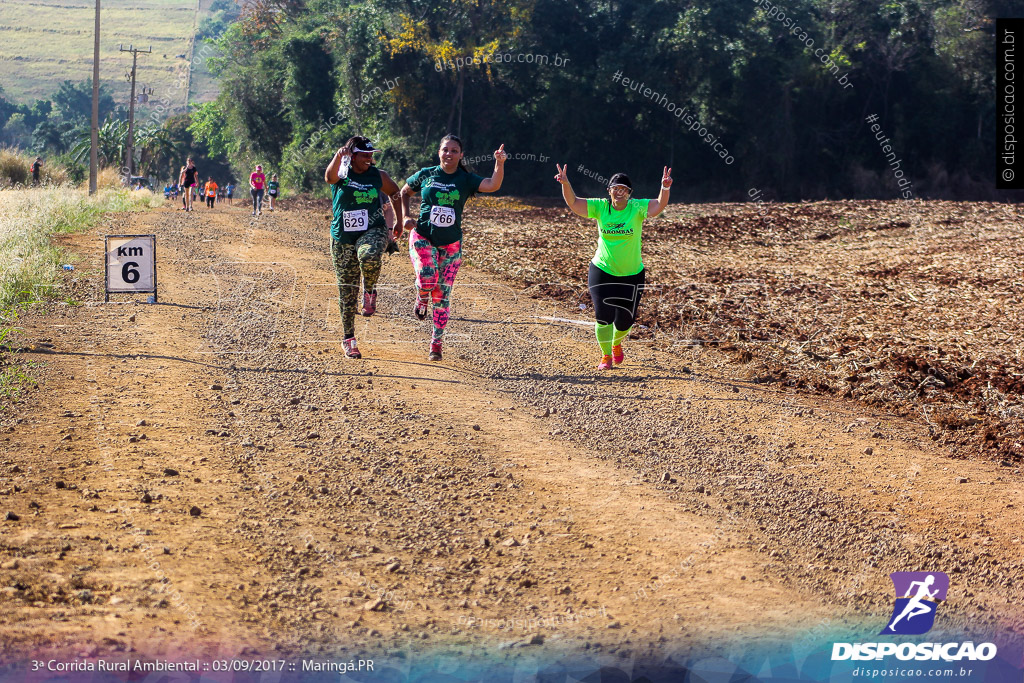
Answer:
(211, 476)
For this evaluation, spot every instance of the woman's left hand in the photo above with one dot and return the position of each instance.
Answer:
(666, 177)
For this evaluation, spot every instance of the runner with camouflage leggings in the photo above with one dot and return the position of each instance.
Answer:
(359, 233)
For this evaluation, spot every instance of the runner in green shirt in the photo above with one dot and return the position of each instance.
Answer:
(435, 239)
(272, 189)
(617, 276)
(359, 233)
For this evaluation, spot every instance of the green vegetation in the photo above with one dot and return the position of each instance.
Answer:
(58, 129)
(13, 381)
(14, 377)
(29, 261)
(45, 113)
(297, 77)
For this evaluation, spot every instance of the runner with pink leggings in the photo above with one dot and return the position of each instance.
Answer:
(435, 238)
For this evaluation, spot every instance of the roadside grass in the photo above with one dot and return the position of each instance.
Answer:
(30, 263)
(16, 169)
(14, 380)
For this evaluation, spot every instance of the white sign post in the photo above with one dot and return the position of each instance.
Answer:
(131, 265)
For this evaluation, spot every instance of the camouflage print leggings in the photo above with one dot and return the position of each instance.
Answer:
(351, 261)
(436, 268)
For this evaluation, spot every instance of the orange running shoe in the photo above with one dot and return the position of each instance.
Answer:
(617, 354)
(605, 364)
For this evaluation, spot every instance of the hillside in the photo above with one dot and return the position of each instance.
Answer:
(45, 42)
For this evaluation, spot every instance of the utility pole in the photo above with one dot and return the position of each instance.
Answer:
(130, 161)
(95, 143)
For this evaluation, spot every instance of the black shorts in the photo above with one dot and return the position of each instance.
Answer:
(272, 193)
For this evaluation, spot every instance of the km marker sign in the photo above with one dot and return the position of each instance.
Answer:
(131, 264)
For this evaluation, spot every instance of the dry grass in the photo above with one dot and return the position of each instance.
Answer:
(16, 169)
(29, 261)
(108, 179)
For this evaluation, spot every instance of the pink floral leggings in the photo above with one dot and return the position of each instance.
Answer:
(436, 268)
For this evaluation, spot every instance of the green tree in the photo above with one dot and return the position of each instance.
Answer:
(74, 100)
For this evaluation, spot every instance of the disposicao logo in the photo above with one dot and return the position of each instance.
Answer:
(917, 597)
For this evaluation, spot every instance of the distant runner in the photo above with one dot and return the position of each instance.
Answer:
(184, 190)
(229, 190)
(617, 275)
(272, 189)
(190, 181)
(359, 234)
(37, 166)
(211, 192)
(256, 182)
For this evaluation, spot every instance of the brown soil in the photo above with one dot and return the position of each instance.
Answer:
(401, 505)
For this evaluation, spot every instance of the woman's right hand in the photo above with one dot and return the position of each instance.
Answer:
(409, 224)
(561, 177)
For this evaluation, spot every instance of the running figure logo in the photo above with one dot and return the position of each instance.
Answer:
(917, 596)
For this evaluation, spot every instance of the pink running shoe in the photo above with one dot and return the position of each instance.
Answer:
(605, 364)
(435, 351)
(351, 351)
(617, 354)
(369, 304)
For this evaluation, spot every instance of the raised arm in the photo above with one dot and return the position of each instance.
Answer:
(658, 205)
(493, 184)
(578, 205)
(331, 174)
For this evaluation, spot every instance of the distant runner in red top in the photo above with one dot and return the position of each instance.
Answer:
(256, 182)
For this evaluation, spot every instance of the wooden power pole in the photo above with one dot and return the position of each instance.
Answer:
(95, 142)
(130, 153)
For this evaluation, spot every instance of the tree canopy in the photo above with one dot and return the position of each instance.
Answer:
(784, 90)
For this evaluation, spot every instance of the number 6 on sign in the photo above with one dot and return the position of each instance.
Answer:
(131, 264)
